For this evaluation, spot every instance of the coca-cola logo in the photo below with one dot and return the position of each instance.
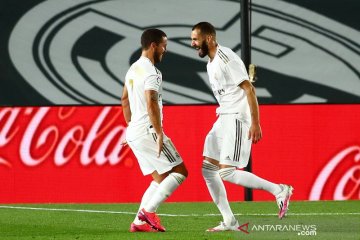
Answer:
(61, 134)
(340, 178)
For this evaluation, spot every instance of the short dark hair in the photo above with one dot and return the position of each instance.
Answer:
(151, 35)
(205, 28)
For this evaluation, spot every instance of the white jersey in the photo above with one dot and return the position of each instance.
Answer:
(141, 76)
(226, 71)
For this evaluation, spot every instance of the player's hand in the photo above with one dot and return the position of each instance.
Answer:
(255, 133)
(160, 142)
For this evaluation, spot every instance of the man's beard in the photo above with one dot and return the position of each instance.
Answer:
(204, 50)
(157, 57)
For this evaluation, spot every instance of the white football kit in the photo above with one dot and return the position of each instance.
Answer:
(140, 135)
(228, 140)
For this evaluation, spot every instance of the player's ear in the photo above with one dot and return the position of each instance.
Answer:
(208, 38)
(153, 45)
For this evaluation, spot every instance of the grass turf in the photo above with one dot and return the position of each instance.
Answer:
(312, 220)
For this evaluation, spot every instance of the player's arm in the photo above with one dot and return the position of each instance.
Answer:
(152, 101)
(125, 105)
(255, 130)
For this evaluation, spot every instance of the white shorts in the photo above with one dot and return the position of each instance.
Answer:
(145, 149)
(227, 141)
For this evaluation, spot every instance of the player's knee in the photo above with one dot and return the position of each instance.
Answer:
(185, 172)
(178, 177)
(181, 169)
(227, 173)
(208, 167)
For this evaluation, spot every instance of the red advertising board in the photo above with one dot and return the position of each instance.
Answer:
(73, 154)
(316, 148)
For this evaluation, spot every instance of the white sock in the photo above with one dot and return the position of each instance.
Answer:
(217, 191)
(145, 198)
(248, 180)
(165, 189)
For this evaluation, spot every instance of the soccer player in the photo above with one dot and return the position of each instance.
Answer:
(142, 109)
(227, 145)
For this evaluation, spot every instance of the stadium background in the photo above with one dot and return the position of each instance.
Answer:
(62, 67)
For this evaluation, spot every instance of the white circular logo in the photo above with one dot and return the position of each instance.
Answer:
(77, 52)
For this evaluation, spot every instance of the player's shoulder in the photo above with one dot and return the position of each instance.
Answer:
(148, 66)
(144, 66)
(226, 54)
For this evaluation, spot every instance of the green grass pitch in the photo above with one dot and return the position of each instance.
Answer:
(305, 220)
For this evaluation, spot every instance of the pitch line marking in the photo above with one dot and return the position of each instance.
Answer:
(170, 215)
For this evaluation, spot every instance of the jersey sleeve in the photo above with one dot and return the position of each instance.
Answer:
(237, 71)
(153, 82)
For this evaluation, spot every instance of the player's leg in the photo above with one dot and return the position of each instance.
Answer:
(218, 194)
(236, 153)
(212, 178)
(138, 225)
(170, 173)
(168, 183)
(281, 192)
(247, 179)
(166, 187)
